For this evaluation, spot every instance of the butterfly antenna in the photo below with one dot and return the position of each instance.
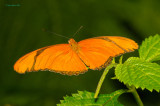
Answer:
(55, 33)
(77, 30)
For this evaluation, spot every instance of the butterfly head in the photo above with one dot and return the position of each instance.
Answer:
(73, 44)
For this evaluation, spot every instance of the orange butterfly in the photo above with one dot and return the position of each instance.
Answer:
(76, 57)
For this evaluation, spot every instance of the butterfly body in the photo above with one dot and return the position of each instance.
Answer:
(74, 45)
(76, 57)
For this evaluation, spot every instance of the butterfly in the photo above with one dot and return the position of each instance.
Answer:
(76, 57)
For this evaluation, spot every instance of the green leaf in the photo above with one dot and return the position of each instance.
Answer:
(150, 49)
(139, 73)
(83, 98)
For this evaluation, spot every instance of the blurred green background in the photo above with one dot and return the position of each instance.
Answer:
(21, 24)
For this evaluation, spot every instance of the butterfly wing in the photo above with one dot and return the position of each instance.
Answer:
(25, 63)
(126, 44)
(97, 52)
(94, 52)
(58, 58)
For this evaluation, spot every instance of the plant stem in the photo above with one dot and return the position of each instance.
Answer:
(135, 94)
(102, 78)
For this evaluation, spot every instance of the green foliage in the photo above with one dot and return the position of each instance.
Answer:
(83, 98)
(140, 72)
(150, 49)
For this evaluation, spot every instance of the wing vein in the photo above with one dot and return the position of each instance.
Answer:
(107, 39)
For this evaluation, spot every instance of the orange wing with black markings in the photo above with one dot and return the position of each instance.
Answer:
(75, 58)
(58, 58)
(98, 52)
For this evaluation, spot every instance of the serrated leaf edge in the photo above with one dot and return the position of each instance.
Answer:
(136, 86)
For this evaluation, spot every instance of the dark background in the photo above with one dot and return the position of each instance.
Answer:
(21, 24)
